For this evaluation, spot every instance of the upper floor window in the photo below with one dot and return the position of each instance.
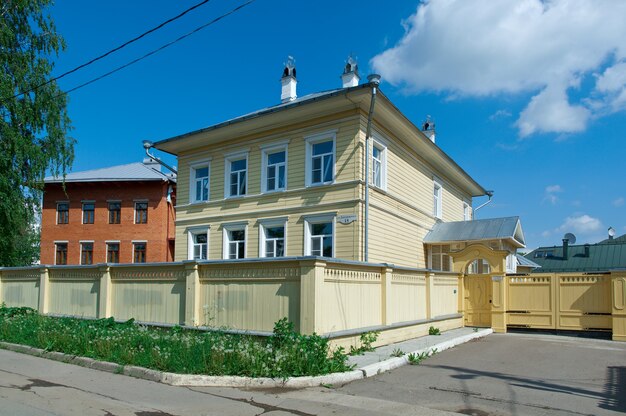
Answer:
(437, 197)
(320, 160)
(236, 175)
(141, 212)
(115, 213)
(319, 236)
(113, 252)
(200, 183)
(139, 252)
(88, 212)
(272, 235)
(86, 253)
(198, 245)
(274, 169)
(379, 165)
(61, 253)
(63, 212)
(234, 241)
(467, 212)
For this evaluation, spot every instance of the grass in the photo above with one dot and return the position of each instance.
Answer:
(284, 354)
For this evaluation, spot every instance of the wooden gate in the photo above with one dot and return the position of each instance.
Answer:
(566, 301)
(477, 300)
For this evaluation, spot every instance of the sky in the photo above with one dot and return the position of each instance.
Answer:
(528, 96)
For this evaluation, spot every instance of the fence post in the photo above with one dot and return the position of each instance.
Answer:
(498, 305)
(44, 284)
(385, 293)
(311, 308)
(461, 295)
(192, 294)
(430, 289)
(106, 289)
(618, 308)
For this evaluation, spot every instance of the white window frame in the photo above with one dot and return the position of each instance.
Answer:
(318, 219)
(310, 141)
(191, 233)
(437, 199)
(228, 159)
(265, 152)
(106, 246)
(379, 143)
(226, 228)
(80, 252)
(193, 180)
(441, 255)
(271, 223)
(467, 211)
(67, 243)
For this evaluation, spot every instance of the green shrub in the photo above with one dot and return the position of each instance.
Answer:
(434, 331)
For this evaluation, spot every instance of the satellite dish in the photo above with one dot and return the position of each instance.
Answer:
(611, 232)
(571, 238)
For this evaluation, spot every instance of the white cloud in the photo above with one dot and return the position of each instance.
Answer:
(541, 47)
(618, 202)
(550, 193)
(500, 114)
(581, 224)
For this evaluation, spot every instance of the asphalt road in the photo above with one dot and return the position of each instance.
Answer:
(512, 374)
(498, 375)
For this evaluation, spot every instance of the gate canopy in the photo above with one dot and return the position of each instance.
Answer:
(507, 229)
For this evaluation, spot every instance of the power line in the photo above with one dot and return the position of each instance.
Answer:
(104, 55)
(134, 61)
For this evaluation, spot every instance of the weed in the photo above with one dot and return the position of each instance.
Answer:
(397, 353)
(475, 329)
(367, 339)
(284, 354)
(417, 358)
(434, 331)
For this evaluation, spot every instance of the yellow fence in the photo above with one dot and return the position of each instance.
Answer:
(567, 301)
(337, 298)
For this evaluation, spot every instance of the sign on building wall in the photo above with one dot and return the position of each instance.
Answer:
(346, 219)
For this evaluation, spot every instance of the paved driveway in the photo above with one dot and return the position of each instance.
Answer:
(512, 374)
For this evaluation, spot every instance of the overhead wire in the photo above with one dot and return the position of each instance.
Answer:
(154, 51)
(104, 55)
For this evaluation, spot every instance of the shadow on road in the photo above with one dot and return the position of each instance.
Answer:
(615, 389)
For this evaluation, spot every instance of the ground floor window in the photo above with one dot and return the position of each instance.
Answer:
(86, 253)
(139, 252)
(199, 245)
(113, 252)
(234, 242)
(440, 258)
(319, 236)
(272, 242)
(61, 253)
(480, 266)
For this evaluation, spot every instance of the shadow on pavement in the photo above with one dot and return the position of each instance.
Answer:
(615, 389)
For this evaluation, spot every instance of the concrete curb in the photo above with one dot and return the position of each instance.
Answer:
(197, 380)
(392, 363)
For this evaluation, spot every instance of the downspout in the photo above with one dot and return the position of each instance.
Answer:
(490, 195)
(374, 80)
(147, 144)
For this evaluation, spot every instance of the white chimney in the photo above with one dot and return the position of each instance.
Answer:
(289, 81)
(350, 76)
(428, 128)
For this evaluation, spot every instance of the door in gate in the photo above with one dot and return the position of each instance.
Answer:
(478, 300)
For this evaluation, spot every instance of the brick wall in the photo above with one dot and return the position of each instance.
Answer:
(157, 232)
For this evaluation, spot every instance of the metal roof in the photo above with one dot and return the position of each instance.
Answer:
(508, 228)
(524, 262)
(131, 172)
(603, 256)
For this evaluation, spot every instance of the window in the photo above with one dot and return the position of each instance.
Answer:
(319, 236)
(141, 213)
(198, 245)
(437, 191)
(440, 258)
(113, 252)
(88, 212)
(63, 213)
(272, 235)
(234, 241)
(236, 175)
(200, 183)
(61, 253)
(274, 169)
(320, 160)
(139, 252)
(86, 253)
(467, 213)
(115, 213)
(379, 165)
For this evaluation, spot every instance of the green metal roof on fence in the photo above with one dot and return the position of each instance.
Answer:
(603, 256)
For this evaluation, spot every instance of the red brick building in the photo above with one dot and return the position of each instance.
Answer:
(120, 214)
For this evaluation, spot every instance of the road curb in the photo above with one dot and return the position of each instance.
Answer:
(197, 380)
